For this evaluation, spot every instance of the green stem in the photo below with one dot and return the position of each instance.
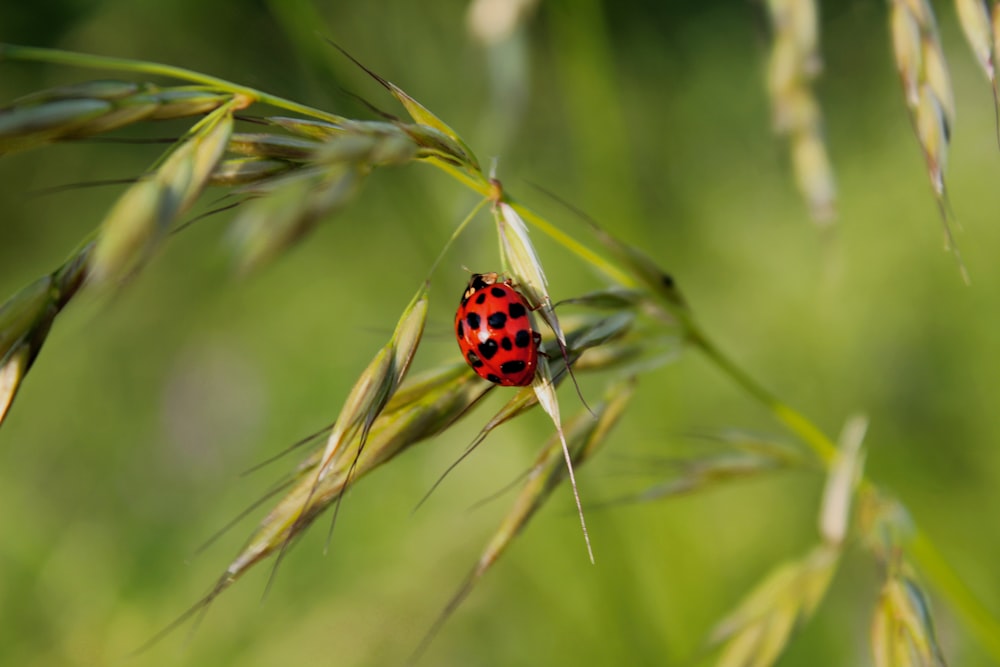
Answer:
(817, 441)
(58, 57)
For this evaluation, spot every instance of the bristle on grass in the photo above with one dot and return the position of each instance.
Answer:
(583, 437)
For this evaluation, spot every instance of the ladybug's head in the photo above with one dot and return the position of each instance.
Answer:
(478, 282)
(481, 280)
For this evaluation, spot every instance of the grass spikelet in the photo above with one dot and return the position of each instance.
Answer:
(974, 15)
(291, 205)
(246, 171)
(268, 145)
(378, 382)
(793, 66)
(757, 631)
(929, 97)
(902, 632)
(27, 317)
(22, 128)
(844, 475)
(142, 216)
(420, 409)
(366, 400)
(744, 458)
(584, 436)
(186, 101)
(95, 107)
(329, 169)
(419, 113)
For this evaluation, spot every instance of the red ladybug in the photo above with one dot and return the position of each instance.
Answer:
(494, 332)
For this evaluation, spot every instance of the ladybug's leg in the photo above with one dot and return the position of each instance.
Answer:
(537, 340)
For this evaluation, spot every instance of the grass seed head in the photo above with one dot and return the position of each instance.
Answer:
(175, 103)
(13, 368)
(269, 145)
(310, 129)
(756, 633)
(378, 382)
(288, 208)
(142, 216)
(907, 47)
(932, 130)
(22, 128)
(422, 408)
(974, 16)
(814, 175)
(902, 632)
(246, 171)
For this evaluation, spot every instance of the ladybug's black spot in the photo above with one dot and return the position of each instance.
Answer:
(509, 367)
(474, 320)
(516, 310)
(488, 349)
(460, 329)
(497, 320)
(505, 344)
(493, 378)
(474, 359)
(498, 291)
(522, 338)
(481, 298)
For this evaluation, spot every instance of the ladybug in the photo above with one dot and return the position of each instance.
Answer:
(494, 332)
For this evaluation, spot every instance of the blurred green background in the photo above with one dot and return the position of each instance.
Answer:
(123, 450)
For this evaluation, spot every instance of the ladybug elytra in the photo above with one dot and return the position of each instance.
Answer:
(494, 332)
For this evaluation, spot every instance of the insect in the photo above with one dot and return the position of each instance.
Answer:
(494, 331)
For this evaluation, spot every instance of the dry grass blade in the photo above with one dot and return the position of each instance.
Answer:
(142, 216)
(902, 633)
(757, 631)
(794, 65)
(584, 436)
